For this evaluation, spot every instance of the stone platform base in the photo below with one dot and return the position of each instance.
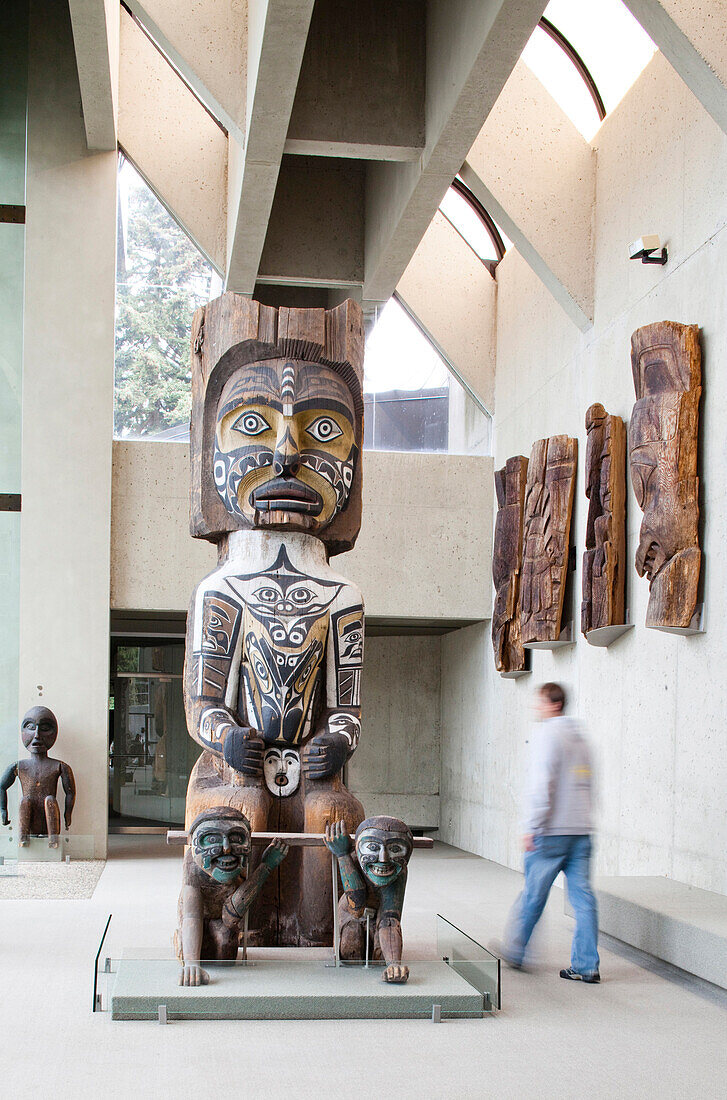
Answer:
(275, 989)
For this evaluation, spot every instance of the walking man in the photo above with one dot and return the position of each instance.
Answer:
(557, 828)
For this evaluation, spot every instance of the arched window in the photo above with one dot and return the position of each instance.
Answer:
(587, 55)
(474, 224)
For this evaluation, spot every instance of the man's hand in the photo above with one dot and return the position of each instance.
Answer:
(337, 839)
(527, 842)
(67, 819)
(396, 973)
(243, 751)
(4, 820)
(275, 853)
(324, 755)
(193, 974)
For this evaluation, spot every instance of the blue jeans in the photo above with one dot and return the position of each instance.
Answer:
(552, 854)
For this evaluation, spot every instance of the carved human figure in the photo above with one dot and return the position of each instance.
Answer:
(604, 575)
(275, 636)
(506, 565)
(216, 890)
(39, 813)
(667, 369)
(546, 536)
(374, 879)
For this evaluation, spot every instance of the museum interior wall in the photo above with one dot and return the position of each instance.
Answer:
(654, 703)
(105, 525)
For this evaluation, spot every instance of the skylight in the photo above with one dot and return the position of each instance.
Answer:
(614, 46)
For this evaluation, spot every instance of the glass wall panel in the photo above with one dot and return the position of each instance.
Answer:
(150, 751)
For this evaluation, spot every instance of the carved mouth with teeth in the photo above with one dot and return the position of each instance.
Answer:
(382, 870)
(286, 495)
(227, 863)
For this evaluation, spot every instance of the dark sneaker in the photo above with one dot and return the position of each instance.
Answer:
(573, 976)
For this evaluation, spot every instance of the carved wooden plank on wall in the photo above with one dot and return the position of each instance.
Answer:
(507, 553)
(667, 367)
(546, 537)
(604, 560)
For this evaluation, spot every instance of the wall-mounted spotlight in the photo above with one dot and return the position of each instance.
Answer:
(645, 248)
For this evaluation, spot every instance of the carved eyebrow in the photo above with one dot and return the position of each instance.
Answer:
(245, 402)
(325, 405)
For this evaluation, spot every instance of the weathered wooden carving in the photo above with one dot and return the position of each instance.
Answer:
(374, 879)
(39, 813)
(275, 637)
(216, 890)
(667, 368)
(546, 536)
(507, 555)
(604, 560)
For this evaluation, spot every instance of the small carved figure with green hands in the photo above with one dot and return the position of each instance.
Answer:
(374, 878)
(216, 890)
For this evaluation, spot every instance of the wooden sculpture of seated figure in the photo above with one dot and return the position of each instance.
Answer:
(39, 813)
(374, 878)
(216, 892)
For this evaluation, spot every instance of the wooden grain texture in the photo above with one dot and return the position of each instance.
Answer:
(232, 332)
(507, 553)
(546, 536)
(663, 437)
(604, 559)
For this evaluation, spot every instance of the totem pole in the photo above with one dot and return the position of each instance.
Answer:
(374, 882)
(39, 813)
(604, 560)
(275, 637)
(666, 361)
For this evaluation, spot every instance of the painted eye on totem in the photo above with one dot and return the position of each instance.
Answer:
(251, 423)
(370, 846)
(300, 596)
(237, 838)
(267, 595)
(324, 429)
(397, 850)
(209, 840)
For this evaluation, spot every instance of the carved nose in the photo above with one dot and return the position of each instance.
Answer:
(286, 461)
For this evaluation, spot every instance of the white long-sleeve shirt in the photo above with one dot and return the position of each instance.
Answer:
(559, 792)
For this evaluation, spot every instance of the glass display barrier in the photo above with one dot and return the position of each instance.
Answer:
(70, 847)
(471, 960)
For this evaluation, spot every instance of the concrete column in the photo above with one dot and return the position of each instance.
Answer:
(67, 418)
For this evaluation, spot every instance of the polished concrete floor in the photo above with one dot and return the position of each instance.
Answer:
(640, 1033)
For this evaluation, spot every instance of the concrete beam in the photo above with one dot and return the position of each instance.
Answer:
(95, 25)
(207, 43)
(461, 323)
(277, 32)
(315, 233)
(471, 49)
(536, 175)
(361, 86)
(173, 141)
(693, 39)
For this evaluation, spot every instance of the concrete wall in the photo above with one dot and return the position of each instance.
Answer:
(416, 507)
(67, 417)
(654, 703)
(396, 766)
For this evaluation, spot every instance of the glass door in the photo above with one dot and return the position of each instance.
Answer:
(150, 751)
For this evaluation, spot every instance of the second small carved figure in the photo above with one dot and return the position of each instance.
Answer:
(374, 879)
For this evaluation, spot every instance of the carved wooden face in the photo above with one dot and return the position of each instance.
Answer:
(285, 448)
(281, 769)
(221, 846)
(383, 853)
(39, 730)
